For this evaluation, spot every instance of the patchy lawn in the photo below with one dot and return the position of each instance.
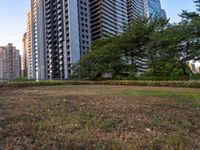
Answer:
(99, 117)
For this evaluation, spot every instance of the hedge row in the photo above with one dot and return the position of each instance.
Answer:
(186, 84)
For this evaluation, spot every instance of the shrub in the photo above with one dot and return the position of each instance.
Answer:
(186, 84)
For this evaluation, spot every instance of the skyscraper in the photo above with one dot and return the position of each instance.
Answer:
(153, 9)
(38, 39)
(67, 35)
(28, 47)
(60, 36)
(108, 17)
(9, 62)
(135, 9)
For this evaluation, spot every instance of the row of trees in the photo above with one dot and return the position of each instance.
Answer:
(165, 48)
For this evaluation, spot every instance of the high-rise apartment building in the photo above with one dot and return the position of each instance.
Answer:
(60, 36)
(135, 9)
(84, 26)
(38, 39)
(67, 35)
(27, 67)
(108, 17)
(28, 47)
(9, 62)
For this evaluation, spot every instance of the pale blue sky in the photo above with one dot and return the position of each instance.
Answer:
(13, 17)
(13, 21)
(175, 7)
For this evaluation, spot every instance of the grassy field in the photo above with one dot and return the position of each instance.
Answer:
(90, 117)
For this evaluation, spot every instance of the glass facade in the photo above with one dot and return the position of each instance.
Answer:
(154, 9)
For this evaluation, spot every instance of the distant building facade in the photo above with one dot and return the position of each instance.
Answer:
(198, 69)
(27, 58)
(194, 68)
(28, 47)
(153, 9)
(9, 62)
(24, 65)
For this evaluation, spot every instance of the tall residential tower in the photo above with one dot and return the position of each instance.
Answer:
(67, 35)
(29, 58)
(38, 39)
(60, 36)
(9, 62)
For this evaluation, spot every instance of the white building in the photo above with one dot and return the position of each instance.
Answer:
(60, 36)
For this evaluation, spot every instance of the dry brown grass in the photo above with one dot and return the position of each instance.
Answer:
(99, 117)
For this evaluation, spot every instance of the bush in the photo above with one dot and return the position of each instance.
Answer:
(195, 76)
(22, 79)
(185, 84)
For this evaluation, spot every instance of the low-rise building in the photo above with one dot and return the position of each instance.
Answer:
(194, 68)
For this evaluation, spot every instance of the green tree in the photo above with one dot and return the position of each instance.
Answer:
(104, 57)
(170, 49)
(173, 47)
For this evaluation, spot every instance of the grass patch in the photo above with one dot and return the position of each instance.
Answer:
(99, 117)
(108, 125)
(167, 94)
(196, 103)
(158, 122)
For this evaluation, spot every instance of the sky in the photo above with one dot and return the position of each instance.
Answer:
(13, 21)
(13, 17)
(175, 7)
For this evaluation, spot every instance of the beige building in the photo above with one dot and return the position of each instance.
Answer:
(27, 47)
(195, 69)
(27, 63)
(27, 52)
(9, 62)
(198, 69)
